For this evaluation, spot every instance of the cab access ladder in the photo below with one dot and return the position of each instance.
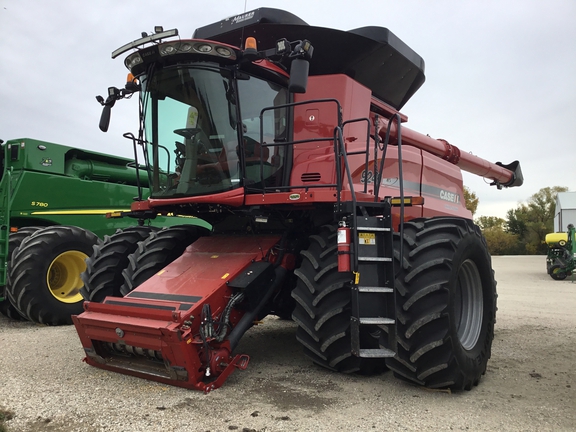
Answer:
(373, 295)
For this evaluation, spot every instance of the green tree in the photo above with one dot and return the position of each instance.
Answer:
(501, 242)
(516, 220)
(534, 219)
(471, 200)
(498, 240)
(487, 222)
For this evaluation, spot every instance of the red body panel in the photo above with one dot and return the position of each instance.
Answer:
(424, 174)
(318, 120)
(390, 186)
(442, 188)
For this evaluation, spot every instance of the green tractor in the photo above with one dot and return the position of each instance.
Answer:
(561, 258)
(54, 202)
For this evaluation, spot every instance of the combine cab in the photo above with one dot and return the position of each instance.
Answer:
(287, 139)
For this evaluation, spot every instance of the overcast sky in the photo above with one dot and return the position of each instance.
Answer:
(500, 75)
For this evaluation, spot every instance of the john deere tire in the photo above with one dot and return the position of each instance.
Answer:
(45, 273)
(323, 308)
(156, 252)
(7, 308)
(445, 304)
(557, 272)
(103, 275)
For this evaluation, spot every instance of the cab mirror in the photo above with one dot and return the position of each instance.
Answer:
(105, 118)
(298, 76)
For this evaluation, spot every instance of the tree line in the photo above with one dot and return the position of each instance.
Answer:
(524, 230)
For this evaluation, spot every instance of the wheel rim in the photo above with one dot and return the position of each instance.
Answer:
(63, 276)
(469, 305)
(557, 272)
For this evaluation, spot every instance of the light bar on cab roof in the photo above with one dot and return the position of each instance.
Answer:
(184, 47)
(144, 40)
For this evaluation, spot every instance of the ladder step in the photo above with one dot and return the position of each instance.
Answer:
(379, 229)
(376, 353)
(376, 321)
(375, 259)
(372, 289)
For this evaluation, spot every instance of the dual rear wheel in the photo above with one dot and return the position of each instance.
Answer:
(445, 305)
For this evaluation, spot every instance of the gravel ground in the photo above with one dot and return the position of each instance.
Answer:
(530, 384)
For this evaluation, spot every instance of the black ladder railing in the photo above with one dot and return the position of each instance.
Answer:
(372, 249)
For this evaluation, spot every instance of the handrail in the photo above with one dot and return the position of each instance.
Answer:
(366, 151)
(340, 152)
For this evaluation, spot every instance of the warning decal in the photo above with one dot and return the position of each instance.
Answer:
(366, 238)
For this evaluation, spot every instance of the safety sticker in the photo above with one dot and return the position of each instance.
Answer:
(366, 238)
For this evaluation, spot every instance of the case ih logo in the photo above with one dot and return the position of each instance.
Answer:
(450, 196)
(239, 18)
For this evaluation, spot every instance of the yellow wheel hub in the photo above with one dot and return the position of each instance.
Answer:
(63, 276)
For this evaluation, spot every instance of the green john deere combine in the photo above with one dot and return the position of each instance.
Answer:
(53, 205)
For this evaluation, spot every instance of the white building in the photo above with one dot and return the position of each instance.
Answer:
(565, 212)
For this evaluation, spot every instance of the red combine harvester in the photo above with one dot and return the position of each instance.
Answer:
(324, 208)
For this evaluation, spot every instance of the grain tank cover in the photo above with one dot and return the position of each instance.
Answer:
(373, 56)
(247, 19)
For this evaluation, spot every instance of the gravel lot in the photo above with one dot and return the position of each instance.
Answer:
(530, 384)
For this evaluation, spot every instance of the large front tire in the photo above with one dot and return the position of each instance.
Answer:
(7, 307)
(103, 275)
(156, 252)
(323, 308)
(445, 304)
(45, 273)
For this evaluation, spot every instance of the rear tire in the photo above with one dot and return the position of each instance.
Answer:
(156, 252)
(445, 304)
(45, 273)
(7, 307)
(323, 308)
(103, 275)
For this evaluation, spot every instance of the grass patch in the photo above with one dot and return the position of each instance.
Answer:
(5, 415)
